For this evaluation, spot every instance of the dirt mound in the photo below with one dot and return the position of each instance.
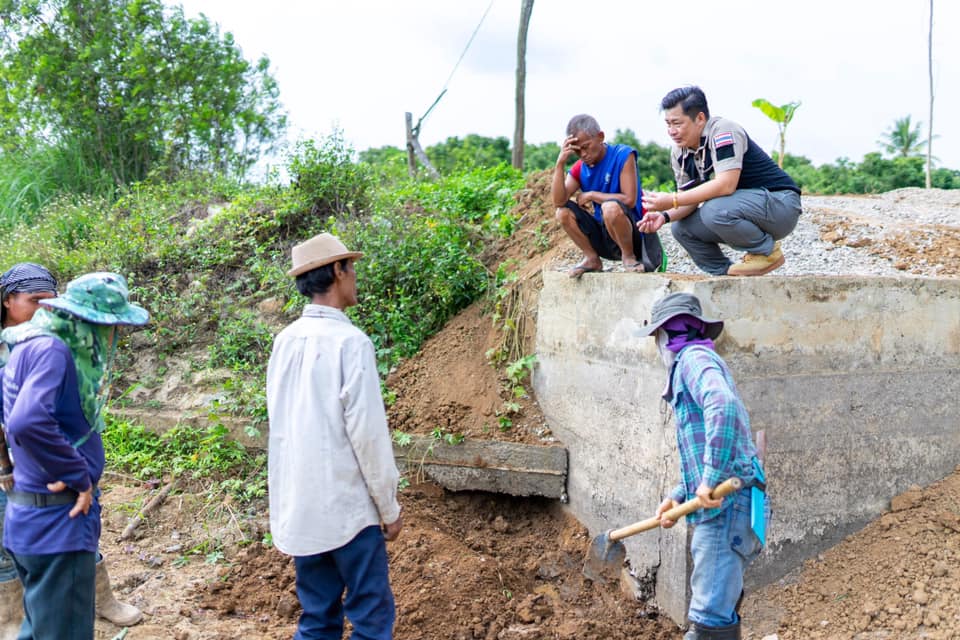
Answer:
(467, 566)
(897, 578)
(457, 382)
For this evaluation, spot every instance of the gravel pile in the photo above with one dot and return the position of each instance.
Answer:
(807, 254)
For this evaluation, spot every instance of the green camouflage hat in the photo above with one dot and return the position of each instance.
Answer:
(99, 298)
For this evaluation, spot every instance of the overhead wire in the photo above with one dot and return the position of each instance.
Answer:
(416, 129)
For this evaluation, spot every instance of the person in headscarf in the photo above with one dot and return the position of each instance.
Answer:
(55, 385)
(22, 287)
(714, 443)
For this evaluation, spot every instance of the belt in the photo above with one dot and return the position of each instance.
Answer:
(27, 498)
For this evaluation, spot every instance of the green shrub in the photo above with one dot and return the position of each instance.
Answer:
(241, 342)
(417, 272)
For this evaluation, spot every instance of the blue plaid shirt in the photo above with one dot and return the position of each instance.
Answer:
(713, 428)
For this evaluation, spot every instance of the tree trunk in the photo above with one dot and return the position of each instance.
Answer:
(525, 10)
(930, 121)
(783, 145)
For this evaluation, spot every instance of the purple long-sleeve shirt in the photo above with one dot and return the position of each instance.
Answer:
(44, 419)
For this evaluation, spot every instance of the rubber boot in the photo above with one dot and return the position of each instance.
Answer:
(108, 607)
(700, 632)
(11, 609)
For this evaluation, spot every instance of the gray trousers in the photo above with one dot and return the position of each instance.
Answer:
(749, 220)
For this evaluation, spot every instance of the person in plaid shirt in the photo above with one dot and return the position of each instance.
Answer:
(715, 443)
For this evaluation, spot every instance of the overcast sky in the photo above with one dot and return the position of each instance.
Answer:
(358, 65)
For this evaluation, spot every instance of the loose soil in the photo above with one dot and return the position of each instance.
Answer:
(482, 566)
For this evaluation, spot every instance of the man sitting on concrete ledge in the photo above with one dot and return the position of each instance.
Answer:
(602, 222)
(728, 191)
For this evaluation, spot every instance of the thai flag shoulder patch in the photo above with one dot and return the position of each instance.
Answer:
(722, 139)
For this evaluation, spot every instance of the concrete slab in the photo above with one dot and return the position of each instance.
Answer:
(855, 380)
(487, 465)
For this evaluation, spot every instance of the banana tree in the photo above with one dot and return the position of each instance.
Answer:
(781, 115)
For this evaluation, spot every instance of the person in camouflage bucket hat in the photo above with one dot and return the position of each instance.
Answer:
(54, 388)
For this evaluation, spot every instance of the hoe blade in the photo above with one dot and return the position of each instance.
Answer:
(604, 559)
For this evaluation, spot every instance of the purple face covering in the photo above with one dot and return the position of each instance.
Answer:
(682, 324)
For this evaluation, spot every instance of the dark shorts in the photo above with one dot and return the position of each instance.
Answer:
(646, 247)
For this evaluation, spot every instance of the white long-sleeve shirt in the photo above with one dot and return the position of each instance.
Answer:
(331, 468)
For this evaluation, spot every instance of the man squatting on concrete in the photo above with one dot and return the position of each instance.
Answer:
(602, 220)
(22, 287)
(54, 387)
(331, 473)
(729, 191)
(714, 442)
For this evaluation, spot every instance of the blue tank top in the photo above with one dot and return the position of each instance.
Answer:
(605, 177)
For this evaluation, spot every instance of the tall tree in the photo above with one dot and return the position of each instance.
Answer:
(133, 87)
(930, 68)
(782, 115)
(525, 10)
(904, 139)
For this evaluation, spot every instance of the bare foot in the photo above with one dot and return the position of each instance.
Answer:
(585, 267)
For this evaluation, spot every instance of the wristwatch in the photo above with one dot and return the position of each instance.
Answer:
(666, 217)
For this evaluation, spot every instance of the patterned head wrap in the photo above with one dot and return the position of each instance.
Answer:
(27, 277)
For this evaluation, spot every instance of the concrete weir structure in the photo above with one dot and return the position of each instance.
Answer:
(856, 381)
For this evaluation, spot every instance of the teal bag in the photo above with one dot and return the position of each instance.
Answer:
(758, 504)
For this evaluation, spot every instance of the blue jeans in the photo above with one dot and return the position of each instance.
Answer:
(360, 567)
(721, 549)
(58, 595)
(8, 571)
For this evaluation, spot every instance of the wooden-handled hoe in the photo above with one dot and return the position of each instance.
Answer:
(606, 552)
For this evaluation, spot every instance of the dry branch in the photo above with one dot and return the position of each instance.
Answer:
(149, 508)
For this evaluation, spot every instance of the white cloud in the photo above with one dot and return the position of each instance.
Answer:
(856, 65)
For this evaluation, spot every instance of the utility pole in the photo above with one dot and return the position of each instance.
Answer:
(414, 150)
(525, 10)
(930, 121)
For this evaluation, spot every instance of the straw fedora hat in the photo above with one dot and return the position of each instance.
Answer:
(318, 251)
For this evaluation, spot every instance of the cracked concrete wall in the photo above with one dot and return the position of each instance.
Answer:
(855, 380)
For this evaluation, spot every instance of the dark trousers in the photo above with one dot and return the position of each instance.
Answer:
(360, 568)
(58, 594)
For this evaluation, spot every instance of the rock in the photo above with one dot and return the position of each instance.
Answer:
(921, 597)
(500, 525)
(904, 501)
(287, 606)
(270, 306)
(519, 632)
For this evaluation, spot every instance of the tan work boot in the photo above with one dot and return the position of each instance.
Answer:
(108, 607)
(11, 609)
(757, 264)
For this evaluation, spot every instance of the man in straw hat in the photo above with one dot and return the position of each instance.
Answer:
(332, 476)
(54, 388)
(714, 442)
